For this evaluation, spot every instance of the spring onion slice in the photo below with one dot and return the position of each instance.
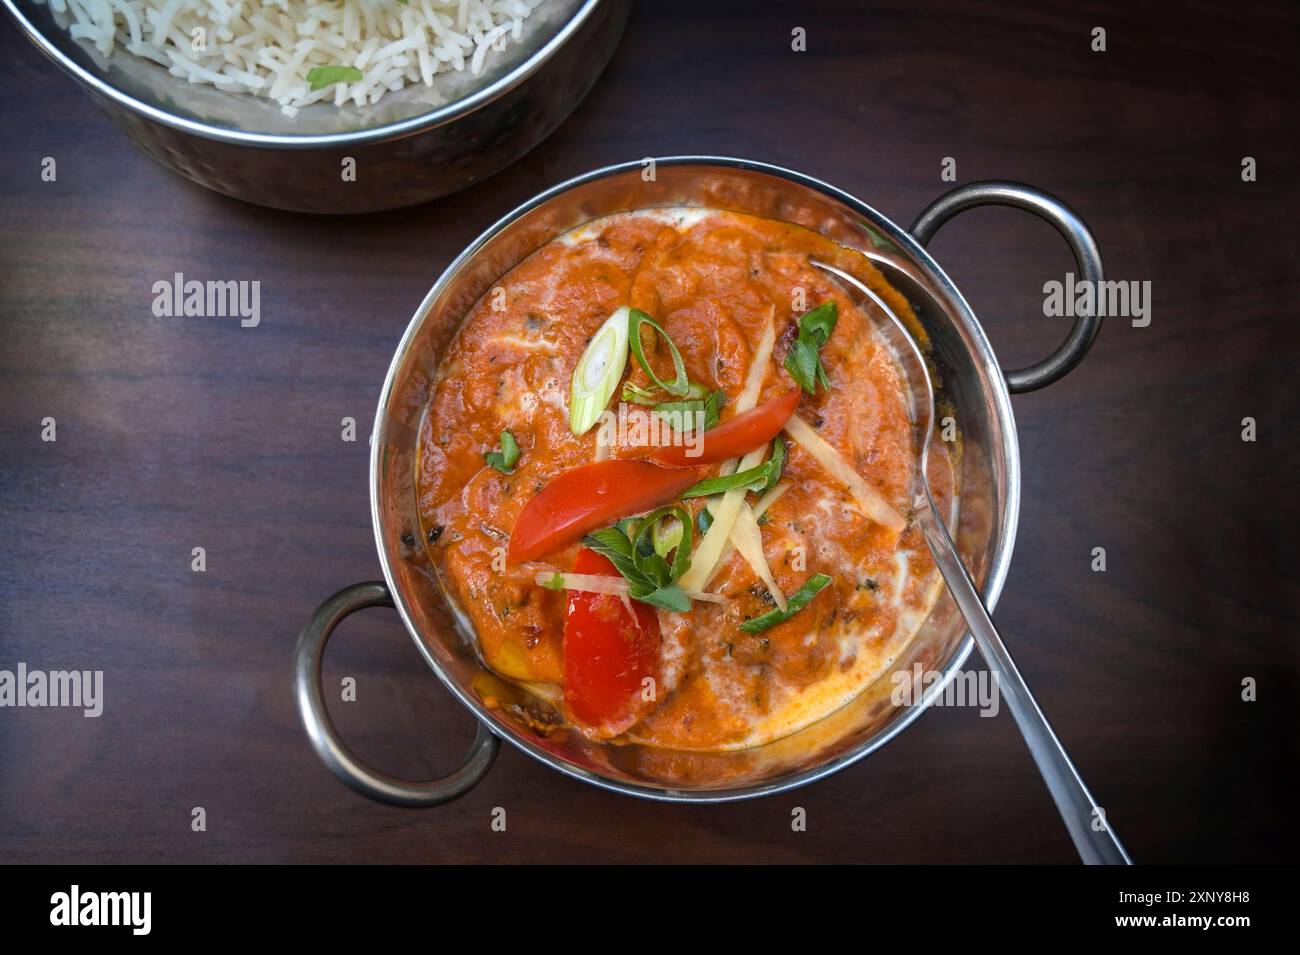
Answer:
(692, 414)
(505, 459)
(667, 534)
(598, 372)
(679, 387)
(798, 600)
(775, 466)
(636, 395)
(319, 77)
(752, 479)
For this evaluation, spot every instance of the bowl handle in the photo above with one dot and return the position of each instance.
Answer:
(1067, 222)
(331, 749)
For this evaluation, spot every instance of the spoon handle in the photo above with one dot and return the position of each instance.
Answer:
(1093, 837)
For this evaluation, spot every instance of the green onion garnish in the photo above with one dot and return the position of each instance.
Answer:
(598, 372)
(796, 602)
(505, 459)
(803, 360)
(679, 387)
(753, 479)
(636, 395)
(759, 478)
(776, 464)
(322, 76)
(667, 534)
(696, 391)
(693, 414)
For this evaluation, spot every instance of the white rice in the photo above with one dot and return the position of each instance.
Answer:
(268, 47)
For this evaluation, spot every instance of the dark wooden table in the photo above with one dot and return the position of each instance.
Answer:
(175, 434)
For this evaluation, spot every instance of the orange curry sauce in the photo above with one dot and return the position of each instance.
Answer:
(712, 280)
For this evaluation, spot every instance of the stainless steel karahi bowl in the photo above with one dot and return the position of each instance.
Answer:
(413, 145)
(973, 389)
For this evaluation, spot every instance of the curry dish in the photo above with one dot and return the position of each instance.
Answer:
(664, 479)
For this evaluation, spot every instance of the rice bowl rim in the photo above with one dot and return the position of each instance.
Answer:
(438, 116)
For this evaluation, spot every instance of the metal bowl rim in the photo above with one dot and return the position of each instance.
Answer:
(998, 566)
(439, 116)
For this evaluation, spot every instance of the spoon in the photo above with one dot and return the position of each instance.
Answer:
(1095, 841)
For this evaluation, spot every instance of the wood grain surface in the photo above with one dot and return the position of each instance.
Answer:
(173, 434)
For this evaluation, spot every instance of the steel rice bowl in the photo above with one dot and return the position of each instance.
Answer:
(989, 480)
(413, 145)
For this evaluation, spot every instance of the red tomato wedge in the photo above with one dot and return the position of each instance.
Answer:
(608, 654)
(590, 497)
(740, 435)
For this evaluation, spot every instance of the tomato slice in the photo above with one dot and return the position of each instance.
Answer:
(608, 654)
(590, 497)
(739, 436)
